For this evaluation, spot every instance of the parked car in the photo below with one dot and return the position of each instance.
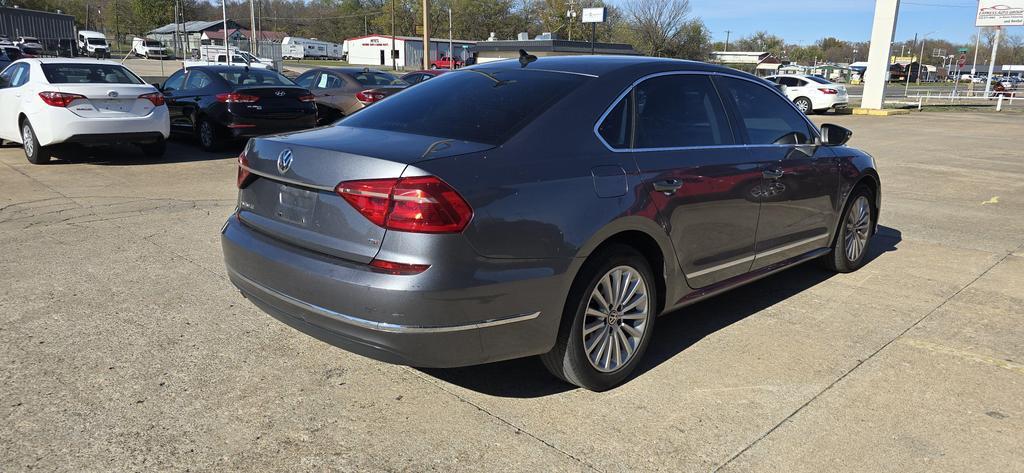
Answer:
(415, 77)
(13, 52)
(217, 104)
(29, 46)
(446, 62)
(812, 94)
(342, 91)
(49, 103)
(4, 59)
(556, 209)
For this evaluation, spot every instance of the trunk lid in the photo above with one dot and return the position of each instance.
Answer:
(109, 100)
(275, 102)
(297, 203)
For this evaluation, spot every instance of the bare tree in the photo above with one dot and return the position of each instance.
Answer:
(657, 24)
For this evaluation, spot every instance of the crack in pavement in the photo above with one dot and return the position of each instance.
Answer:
(499, 418)
(866, 359)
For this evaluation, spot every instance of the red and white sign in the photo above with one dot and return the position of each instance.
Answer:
(960, 63)
(1000, 13)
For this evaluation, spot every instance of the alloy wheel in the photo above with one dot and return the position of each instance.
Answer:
(803, 105)
(858, 228)
(206, 134)
(28, 140)
(616, 319)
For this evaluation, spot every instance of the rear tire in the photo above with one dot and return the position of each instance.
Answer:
(155, 149)
(595, 328)
(853, 238)
(34, 152)
(208, 135)
(804, 104)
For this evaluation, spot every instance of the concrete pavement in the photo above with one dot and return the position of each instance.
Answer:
(124, 347)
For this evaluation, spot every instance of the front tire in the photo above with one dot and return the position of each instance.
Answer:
(34, 152)
(855, 232)
(608, 320)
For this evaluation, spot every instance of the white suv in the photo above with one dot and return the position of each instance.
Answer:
(52, 101)
(812, 94)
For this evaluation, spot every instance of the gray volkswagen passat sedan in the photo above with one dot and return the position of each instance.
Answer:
(555, 209)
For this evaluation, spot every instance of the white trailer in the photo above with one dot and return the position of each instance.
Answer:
(305, 48)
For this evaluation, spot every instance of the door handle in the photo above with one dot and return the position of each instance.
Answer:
(772, 173)
(668, 186)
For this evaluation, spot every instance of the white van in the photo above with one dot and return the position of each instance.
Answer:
(93, 43)
(148, 48)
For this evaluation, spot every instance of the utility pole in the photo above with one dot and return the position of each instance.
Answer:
(224, 18)
(451, 52)
(727, 34)
(117, 26)
(426, 34)
(906, 90)
(974, 65)
(253, 39)
(394, 64)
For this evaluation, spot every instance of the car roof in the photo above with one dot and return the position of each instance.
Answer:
(68, 60)
(602, 64)
(220, 68)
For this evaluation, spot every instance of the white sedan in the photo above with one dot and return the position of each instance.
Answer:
(55, 101)
(812, 93)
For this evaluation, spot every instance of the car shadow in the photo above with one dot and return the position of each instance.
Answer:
(178, 151)
(676, 331)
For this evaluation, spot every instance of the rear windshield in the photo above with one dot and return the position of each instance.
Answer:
(254, 77)
(818, 80)
(89, 74)
(377, 78)
(97, 41)
(468, 104)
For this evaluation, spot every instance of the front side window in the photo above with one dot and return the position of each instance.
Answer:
(5, 77)
(174, 82)
(328, 81)
(84, 73)
(767, 117)
(306, 80)
(377, 78)
(681, 110)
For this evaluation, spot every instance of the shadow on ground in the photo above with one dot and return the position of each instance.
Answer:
(178, 151)
(676, 331)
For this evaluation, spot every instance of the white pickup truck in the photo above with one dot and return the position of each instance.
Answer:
(215, 56)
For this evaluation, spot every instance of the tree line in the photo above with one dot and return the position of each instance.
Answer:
(664, 28)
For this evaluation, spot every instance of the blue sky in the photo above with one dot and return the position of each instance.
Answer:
(806, 21)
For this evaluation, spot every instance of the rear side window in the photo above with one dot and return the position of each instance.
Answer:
(616, 128)
(469, 104)
(197, 80)
(680, 111)
(768, 117)
(89, 74)
(818, 80)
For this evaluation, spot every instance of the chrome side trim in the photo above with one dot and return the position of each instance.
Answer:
(286, 180)
(383, 326)
(720, 267)
(790, 246)
(747, 259)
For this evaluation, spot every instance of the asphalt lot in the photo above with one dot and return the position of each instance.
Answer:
(124, 347)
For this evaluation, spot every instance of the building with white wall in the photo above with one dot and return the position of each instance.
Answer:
(375, 50)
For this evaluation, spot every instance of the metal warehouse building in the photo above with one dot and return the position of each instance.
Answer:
(56, 31)
(375, 50)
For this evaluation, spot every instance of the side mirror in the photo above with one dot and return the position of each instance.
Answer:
(834, 135)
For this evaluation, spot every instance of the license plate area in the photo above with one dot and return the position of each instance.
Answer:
(295, 205)
(113, 106)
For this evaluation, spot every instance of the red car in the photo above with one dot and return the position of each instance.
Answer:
(445, 62)
(416, 77)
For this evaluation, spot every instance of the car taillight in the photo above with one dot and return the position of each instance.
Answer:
(307, 98)
(423, 204)
(156, 97)
(235, 97)
(398, 269)
(828, 91)
(59, 99)
(369, 96)
(244, 176)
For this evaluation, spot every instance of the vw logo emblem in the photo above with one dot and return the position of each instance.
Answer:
(112, 93)
(284, 161)
(280, 93)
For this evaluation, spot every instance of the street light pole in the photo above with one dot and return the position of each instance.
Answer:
(426, 34)
(394, 65)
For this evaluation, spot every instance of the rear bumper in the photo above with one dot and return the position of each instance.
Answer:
(247, 127)
(410, 320)
(108, 138)
(55, 125)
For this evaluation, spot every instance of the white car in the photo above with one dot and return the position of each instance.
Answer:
(812, 93)
(53, 101)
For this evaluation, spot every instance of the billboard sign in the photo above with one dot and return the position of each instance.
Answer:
(1000, 13)
(593, 15)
